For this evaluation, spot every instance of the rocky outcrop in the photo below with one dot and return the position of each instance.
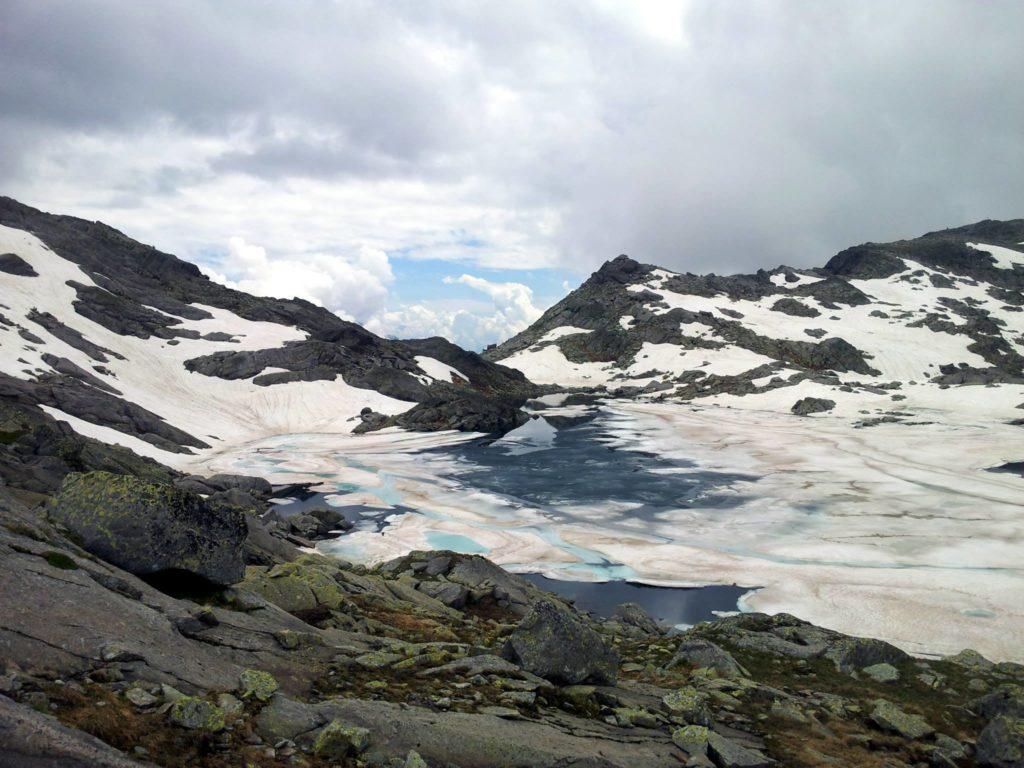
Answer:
(807, 405)
(383, 662)
(149, 529)
(13, 264)
(552, 643)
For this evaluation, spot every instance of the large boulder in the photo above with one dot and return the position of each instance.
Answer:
(149, 528)
(1001, 744)
(555, 644)
(703, 654)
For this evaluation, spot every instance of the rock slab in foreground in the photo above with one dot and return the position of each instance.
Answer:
(147, 528)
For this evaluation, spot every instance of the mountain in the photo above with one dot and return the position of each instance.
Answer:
(156, 618)
(913, 322)
(136, 347)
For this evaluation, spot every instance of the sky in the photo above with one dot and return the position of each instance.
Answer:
(454, 168)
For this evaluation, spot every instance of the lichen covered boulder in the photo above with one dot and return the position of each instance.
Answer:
(554, 644)
(299, 586)
(196, 714)
(256, 684)
(337, 740)
(148, 528)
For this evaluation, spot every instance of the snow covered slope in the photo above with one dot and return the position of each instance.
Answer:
(135, 347)
(883, 330)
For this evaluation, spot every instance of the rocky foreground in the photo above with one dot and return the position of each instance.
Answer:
(159, 619)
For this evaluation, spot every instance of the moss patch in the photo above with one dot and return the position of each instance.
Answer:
(60, 560)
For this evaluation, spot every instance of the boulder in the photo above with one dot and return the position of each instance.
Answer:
(889, 717)
(256, 684)
(703, 654)
(1001, 743)
(635, 616)
(689, 705)
(808, 405)
(338, 740)
(553, 643)
(882, 673)
(691, 738)
(302, 585)
(285, 718)
(1006, 700)
(728, 754)
(148, 528)
(196, 714)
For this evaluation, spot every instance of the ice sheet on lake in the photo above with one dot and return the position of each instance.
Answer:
(894, 532)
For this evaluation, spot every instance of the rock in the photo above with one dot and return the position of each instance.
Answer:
(302, 585)
(256, 684)
(285, 718)
(140, 697)
(688, 704)
(691, 738)
(889, 717)
(948, 751)
(728, 754)
(13, 264)
(882, 673)
(1001, 744)
(338, 740)
(438, 565)
(808, 405)
(635, 616)
(791, 306)
(117, 652)
(485, 664)
(196, 714)
(507, 713)
(452, 595)
(229, 704)
(703, 654)
(971, 659)
(553, 643)
(1006, 700)
(29, 739)
(148, 528)
(632, 717)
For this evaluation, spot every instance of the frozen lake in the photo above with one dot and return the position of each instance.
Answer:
(895, 532)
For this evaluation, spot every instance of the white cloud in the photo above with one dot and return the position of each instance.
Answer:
(509, 311)
(353, 287)
(696, 134)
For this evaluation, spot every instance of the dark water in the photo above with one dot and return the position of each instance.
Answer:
(581, 468)
(669, 604)
(577, 467)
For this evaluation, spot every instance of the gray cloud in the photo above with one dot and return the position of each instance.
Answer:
(760, 133)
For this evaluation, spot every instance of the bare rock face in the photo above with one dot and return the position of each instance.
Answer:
(149, 528)
(554, 644)
(809, 405)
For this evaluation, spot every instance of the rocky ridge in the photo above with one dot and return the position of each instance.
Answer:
(121, 336)
(904, 321)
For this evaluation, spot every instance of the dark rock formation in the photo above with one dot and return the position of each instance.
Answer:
(808, 405)
(149, 529)
(554, 644)
(13, 264)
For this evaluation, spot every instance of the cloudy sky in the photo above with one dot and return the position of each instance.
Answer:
(454, 167)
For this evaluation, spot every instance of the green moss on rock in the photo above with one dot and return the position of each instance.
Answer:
(196, 714)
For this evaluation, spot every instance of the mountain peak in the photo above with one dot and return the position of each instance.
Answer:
(622, 269)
